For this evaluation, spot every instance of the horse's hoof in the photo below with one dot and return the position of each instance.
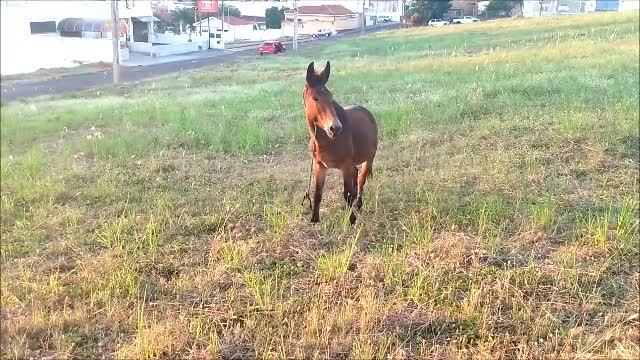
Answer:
(314, 220)
(352, 219)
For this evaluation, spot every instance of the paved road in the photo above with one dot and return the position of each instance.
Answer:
(130, 74)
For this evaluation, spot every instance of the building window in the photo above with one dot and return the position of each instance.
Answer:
(607, 5)
(43, 27)
(218, 36)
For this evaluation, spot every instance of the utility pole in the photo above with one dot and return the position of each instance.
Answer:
(222, 7)
(364, 18)
(540, 8)
(377, 5)
(295, 25)
(115, 34)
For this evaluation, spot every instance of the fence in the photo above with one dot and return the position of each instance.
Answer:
(557, 7)
(488, 15)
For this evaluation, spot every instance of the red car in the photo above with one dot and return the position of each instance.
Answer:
(271, 47)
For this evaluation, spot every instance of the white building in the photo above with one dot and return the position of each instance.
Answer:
(629, 5)
(234, 29)
(553, 7)
(49, 34)
(30, 38)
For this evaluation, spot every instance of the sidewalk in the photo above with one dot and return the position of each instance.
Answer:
(138, 59)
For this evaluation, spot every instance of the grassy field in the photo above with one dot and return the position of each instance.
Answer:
(163, 219)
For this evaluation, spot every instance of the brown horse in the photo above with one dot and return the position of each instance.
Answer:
(341, 138)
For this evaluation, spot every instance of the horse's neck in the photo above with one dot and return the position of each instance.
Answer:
(342, 114)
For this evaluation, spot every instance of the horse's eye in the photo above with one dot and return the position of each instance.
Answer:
(315, 99)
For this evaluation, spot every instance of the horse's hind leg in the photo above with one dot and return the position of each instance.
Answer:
(365, 172)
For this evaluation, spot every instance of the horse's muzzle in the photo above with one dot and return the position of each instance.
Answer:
(334, 130)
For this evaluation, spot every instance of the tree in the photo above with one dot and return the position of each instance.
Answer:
(274, 17)
(500, 6)
(183, 16)
(429, 9)
(229, 10)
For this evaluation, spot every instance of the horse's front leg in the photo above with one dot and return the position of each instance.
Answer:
(319, 174)
(349, 176)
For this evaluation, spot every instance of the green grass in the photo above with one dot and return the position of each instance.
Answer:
(163, 219)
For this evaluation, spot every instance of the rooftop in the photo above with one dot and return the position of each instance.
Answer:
(322, 10)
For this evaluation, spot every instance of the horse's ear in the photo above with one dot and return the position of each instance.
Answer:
(311, 73)
(324, 75)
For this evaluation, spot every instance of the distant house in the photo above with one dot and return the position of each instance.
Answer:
(460, 8)
(235, 28)
(259, 22)
(314, 18)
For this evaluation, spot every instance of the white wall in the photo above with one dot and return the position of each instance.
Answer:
(242, 32)
(22, 52)
(58, 10)
(627, 5)
(89, 50)
(172, 38)
(140, 47)
(532, 7)
(173, 49)
(238, 32)
(184, 38)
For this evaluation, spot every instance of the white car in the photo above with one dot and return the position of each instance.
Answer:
(465, 20)
(437, 22)
(322, 33)
(384, 18)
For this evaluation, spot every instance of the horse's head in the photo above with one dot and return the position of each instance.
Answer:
(318, 102)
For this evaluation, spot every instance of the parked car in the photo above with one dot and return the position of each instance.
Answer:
(322, 33)
(465, 20)
(384, 18)
(271, 47)
(437, 22)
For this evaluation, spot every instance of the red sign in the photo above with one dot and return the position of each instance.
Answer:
(207, 6)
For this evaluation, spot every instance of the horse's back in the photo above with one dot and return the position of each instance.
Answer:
(365, 131)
